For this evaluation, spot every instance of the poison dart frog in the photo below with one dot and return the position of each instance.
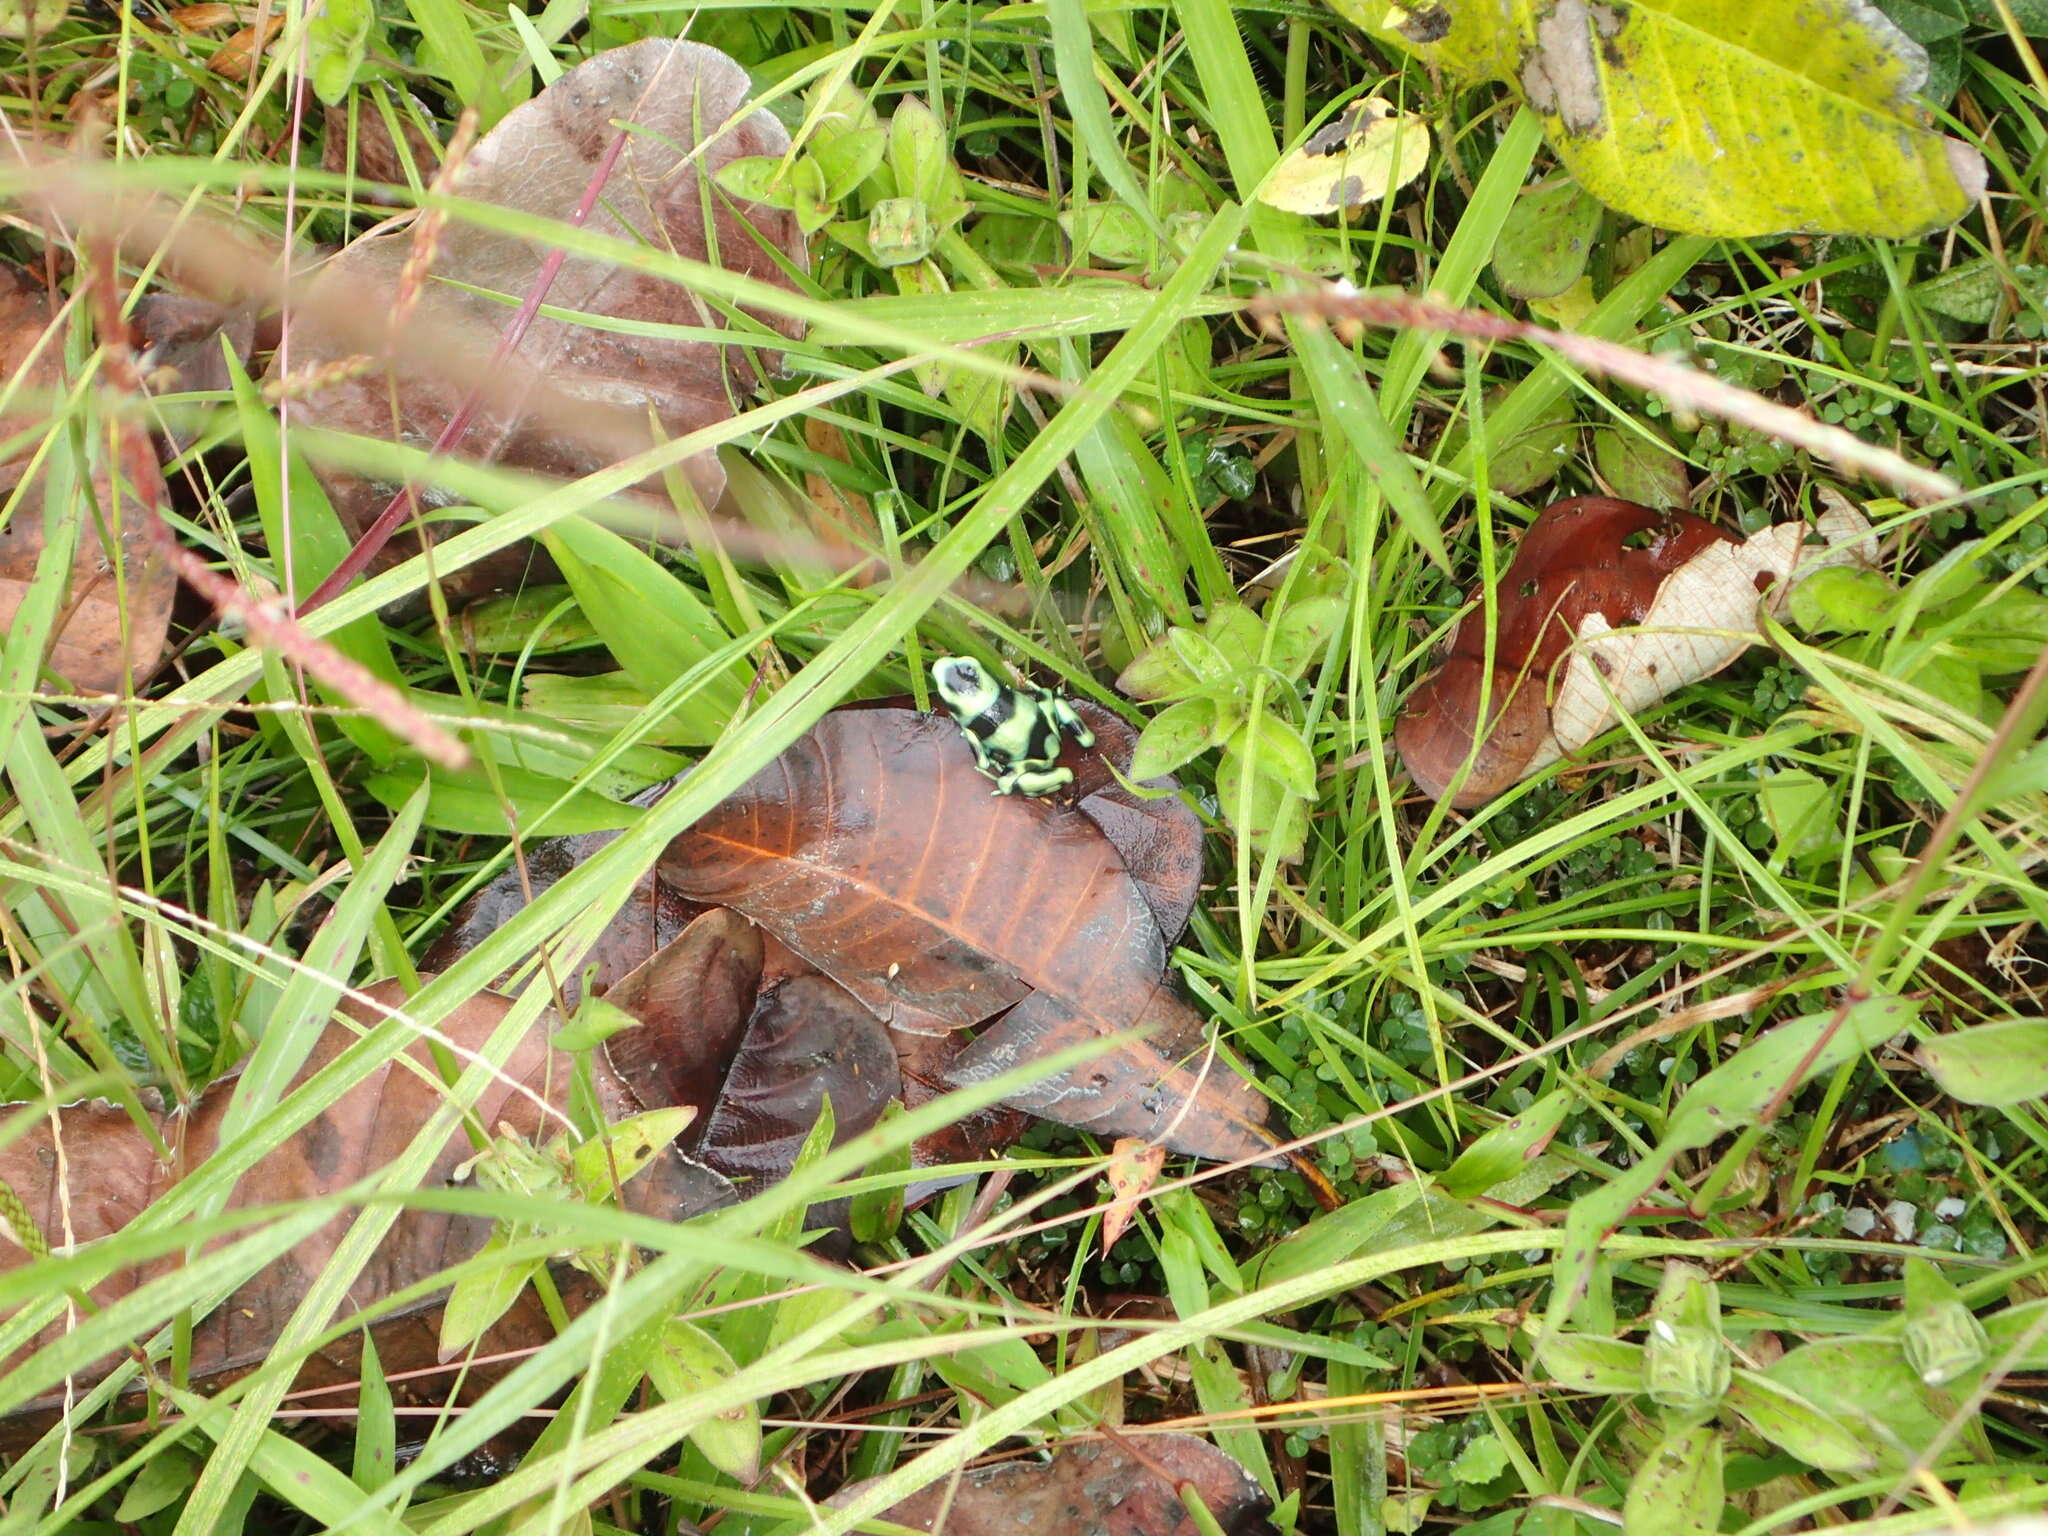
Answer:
(1015, 731)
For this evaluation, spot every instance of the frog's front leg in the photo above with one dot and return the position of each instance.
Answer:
(1069, 720)
(1034, 781)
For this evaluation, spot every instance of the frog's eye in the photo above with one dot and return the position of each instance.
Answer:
(966, 675)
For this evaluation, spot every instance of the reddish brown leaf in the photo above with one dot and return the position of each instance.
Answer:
(1606, 606)
(1130, 1488)
(694, 1001)
(1588, 555)
(873, 848)
(1160, 841)
(374, 155)
(115, 1175)
(117, 611)
(595, 388)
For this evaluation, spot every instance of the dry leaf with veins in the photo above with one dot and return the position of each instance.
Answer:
(675, 103)
(1606, 605)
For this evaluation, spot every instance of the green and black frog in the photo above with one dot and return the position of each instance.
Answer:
(1016, 730)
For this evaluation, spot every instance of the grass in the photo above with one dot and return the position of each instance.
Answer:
(227, 850)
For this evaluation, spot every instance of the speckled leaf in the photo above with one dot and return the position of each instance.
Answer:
(1544, 245)
(2002, 1063)
(1809, 122)
(1585, 1362)
(1500, 1152)
(1793, 1423)
(1677, 1491)
(1638, 465)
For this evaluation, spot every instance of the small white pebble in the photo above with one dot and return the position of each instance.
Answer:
(1859, 1221)
(1902, 1216)
(1344, 288)
(1949, 1209)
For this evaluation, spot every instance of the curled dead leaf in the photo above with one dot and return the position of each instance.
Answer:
(1606, 605)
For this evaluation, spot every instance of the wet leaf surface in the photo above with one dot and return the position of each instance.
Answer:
(1132, 1487)
(591, 390)
(874, 849)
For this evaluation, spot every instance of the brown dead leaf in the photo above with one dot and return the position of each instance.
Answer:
(206, 17)
(874, 849)
(1587, 568)
(1133, 1166)
(375, 152)
(117, 609)
(115, 1175)
(1130, 1487)
(666, 97)
(238, 57)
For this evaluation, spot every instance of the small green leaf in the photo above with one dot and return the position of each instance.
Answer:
(1157, 673)
(1867, 1383)
(759, 179)
(1998, 1064)
(1585, 1362)
(1686, 1362)
(375, 1458)
(1794, 1425)
(1304, 629)
(1546, 240)
(1943, 1339)
(1677, 1491)
(1642, 468)
(627, 1147)
(1237, 633)
(688, 1361)
(1500, 1152)
(917, 154)
(337, 39)
(875, 1214)
(166, 1477)
(1528, 459)
(1844, 600)
(596, 1021)
(1177, 734)
(1334, 1236)
(2024, 1328)
(847, 161)
(1272, 748)
(478, 1300)
(1804, 810)
(899, 232)
(1110, 234)
(1483, 1459)
(1199, 658)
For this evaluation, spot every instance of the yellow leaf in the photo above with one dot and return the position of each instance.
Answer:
(1365, 154)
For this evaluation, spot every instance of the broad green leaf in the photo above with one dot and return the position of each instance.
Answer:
(689, 1361)
(1971, 291)
(917, 155)
(465, 800)
(375, 1456)
(1528, 458)
(1177, 734)
(337, 38)
(626, 1148)
(2023, 1328)
(1866, 1383)
(478, 1300)
(1793, 1424)
(1677, 1491)
(1999, 1064)
(163, 1481)
(1806, 122)
(1585, 1362)
(596, 1021)
(1942, 1339)
(539, 620)
(1199, 658)
(1547, 240)
(1237, 633)
(1803, 809)
(1272, 748)
(765, 179)
(2032, 15)
(1640, 466)
(1156, 673)
(1499, 1153)
(1301, 632)
(1335, 1235)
